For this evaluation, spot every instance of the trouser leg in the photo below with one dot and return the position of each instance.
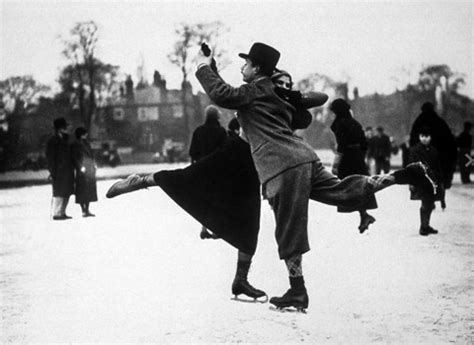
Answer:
(64, 202)
(353, 191)
(57, 206)
(288, 195)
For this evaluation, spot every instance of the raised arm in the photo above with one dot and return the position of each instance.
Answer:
(221, 93)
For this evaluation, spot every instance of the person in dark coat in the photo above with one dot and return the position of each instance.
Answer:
(85, 169)
(369, 155)
(405, 150)
(382, 151)
(207, 137)
(425, 152)
(464, 144)
(61, 169)
(350, 155)
(441, 138)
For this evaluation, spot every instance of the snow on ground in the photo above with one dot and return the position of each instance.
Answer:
(138, 272)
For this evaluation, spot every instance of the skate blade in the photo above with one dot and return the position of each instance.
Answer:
(263, 299)
(299, 310)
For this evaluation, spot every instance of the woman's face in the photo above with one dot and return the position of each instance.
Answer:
(283, 82)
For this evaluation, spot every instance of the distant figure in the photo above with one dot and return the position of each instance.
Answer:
(426, 153)
(382, 151)
(441, 138)
(405, 149)
(61, 170)
(369, 156)
(206, 139)
(464, 143)
(350, 155)
(84, 164)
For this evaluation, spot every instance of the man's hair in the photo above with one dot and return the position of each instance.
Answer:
(261, 69)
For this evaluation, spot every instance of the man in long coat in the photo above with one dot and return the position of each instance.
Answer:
(61, 169)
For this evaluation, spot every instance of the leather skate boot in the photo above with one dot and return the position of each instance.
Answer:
(419, 175)
(295, 297)
(241, 286)
(131, 183)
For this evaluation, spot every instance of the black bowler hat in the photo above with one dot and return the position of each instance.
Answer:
(263, 55)
(59, 123)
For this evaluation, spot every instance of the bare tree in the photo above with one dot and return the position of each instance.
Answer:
(79, 49)
(188, 40)
(22, 89)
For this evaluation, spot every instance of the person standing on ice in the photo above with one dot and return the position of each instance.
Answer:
(206, 139)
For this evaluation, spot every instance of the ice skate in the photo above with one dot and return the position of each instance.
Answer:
(293, 300)
(131, 183)
(243, 287)
(365, 222)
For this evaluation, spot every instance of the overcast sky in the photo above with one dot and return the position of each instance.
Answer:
(366, 43)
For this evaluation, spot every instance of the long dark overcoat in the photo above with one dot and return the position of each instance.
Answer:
(352, 145)
(206, 138)
(60, 166)
(83, 159)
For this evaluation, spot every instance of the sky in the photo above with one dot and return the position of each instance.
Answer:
(374, 45)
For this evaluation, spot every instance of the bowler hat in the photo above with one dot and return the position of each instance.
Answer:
(263, 55)
(60, 122)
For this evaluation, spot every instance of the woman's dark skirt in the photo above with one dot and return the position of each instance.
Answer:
(222, 192)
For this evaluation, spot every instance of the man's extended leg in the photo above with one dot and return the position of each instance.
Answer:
(354, 190)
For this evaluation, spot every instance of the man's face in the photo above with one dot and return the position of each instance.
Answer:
(425, 139)
(248, 71)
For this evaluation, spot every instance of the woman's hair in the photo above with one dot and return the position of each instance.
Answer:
(80, 131)
(278, 73)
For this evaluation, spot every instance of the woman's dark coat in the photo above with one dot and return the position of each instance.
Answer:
(352, 145)
(222, 192)
(441, 138)
(429, 156)
(60, 166)
(84, 164)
